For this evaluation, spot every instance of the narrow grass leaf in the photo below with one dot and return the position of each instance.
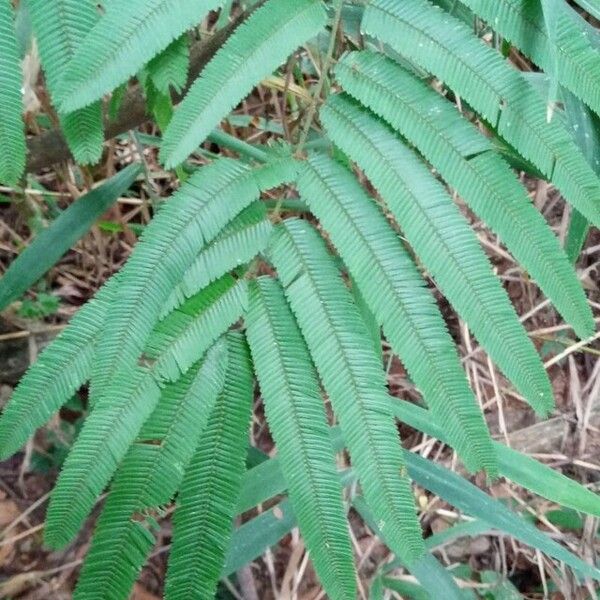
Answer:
(71, 225)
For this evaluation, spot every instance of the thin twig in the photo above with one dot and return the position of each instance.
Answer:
(312, 110)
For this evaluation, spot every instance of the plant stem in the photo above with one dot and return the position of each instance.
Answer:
(319, 89)
(232, 143)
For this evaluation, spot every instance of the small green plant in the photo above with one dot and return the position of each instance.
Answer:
(43, 306)
(171, 344)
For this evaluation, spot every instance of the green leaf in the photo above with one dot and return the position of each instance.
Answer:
(115, 102)
(72, 224)
(466, 496)
(174, 344)
(565, 518)
(126, 37)
(471, 528)
(406, 589)
(169, 70)
(376, 589)
(61, 369)
(551, 9)
(149, 476)
(102, 443)
(191, 219)
(435, 579)
(369, 318)
(579, 228)
(464, 158)
(443, 240)
(258, 46)
(59, 27)
(591, 6)
(159, 104)
(245, 237)
(396, 292)
(470, 499)
(447, 48)
(186, 224)
(120, 412)
(574, 45)
(429, 572)
(252, 539)
(394, 169)
(500, 588)
(585, 127)
(261, 483)
(352, 376)
(297, 420)
(12, 135)
(206, 503)
(515, 466)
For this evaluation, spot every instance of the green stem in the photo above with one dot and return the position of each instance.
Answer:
(232, 143)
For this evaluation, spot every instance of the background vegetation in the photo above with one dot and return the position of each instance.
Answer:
(74, 210)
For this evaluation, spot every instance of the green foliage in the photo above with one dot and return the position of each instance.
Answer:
(297, 419)
(392, 285)
(239, 242)
(584, 126)
(447, 48)
(163, 343)
(443, 240)
(59, 27)
(465, 159)
(206, 504)
(177, 343)
(62, 368)
(256, 48)
(12, 136)
(352, 376)
(102, 443)
(572, 45)
(51, 243)
(123, 40)
(192, 218)
(591, 6)
(169, 70)
(44, 305)
(149, 476)
(473, 501)
(515, 466)
(576, 235)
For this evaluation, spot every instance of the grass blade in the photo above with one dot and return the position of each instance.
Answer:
(72, 224)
